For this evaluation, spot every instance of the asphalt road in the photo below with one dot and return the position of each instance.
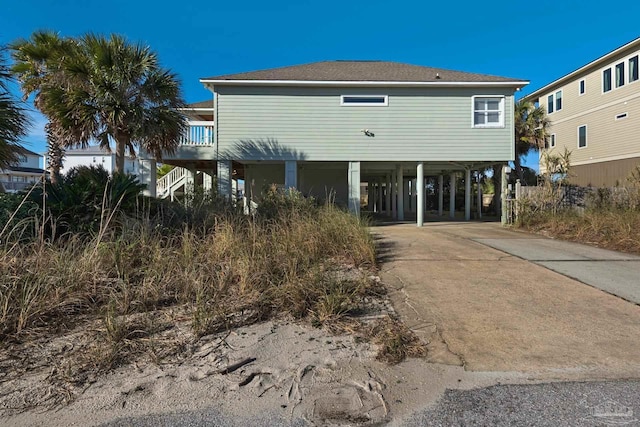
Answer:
(610, 403)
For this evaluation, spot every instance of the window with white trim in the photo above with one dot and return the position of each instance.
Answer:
(364, 100)
(488, 111)
(554, 102)
(620, 74)
(582, 136)
(606, 80)
(633, 69)
(582, 87)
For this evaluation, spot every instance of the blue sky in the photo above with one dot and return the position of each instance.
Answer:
(538, 41)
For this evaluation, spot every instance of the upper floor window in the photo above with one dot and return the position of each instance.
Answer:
(606, 80)
(360, 100)
(488, 111)
(633, 69)
(620, 74)
(581, 87)
(582, 136)
(554, 102)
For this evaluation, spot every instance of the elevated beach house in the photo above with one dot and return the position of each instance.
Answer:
(324, 128)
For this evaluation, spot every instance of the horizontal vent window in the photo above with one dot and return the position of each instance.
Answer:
(621, 116)
(379, 100)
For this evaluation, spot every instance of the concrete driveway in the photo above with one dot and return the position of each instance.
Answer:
(469, 290)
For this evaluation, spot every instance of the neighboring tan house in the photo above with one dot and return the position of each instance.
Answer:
(23, 174)
(595, 113)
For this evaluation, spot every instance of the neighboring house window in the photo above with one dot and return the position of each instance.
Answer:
(581, 87)
(554, 102)
(582, 136)
(620, 74)
(606, 80)
(559, 100)
(362, 100)
(552, 140)
(488, 111)
(633, 69)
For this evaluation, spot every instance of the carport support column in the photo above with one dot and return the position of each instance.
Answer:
(420, 188)
(190, 179)
(387, 190)
(440, 194)
(394, 195)
(148, 169)
(290, 174)
(354, 187)
(467, 194)
(380, 189)
(452, 195)
(224, 179)
(400, 179)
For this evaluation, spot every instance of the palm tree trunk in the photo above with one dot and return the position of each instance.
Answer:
(55, 153)
(120, 144)
(497, 193)
(518, 167)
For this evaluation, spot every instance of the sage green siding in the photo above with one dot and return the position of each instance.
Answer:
(305, 123)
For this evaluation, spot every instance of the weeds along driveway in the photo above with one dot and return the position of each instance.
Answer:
(491, 311)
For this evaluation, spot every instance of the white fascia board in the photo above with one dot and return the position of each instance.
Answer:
(593, 64)
(195, 109)
(208, 83)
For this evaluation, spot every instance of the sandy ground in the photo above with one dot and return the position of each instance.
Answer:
(299, 373)
(487, 318)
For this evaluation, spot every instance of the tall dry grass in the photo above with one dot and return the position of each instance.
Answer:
(242, 264)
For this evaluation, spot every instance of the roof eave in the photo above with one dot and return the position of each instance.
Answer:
(593, 64)
(509, 83)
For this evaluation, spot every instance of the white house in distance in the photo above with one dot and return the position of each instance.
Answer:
(95, 156)
(23, 174)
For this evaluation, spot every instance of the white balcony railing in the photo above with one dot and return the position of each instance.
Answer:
(12, 187)
(198, 133)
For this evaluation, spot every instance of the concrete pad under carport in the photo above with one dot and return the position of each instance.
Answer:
(490, 311)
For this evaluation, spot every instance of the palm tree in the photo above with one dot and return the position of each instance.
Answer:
(531, 131)
(13, 119)
(118, 92)
(38, 66)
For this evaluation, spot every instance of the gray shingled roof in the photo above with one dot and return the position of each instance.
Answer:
(377, 71)
(202, 104)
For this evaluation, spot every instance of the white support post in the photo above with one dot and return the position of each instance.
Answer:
(467, 194)
(224, 179)
(440, 194)
(452, 195)
(479, 197)
(148, 176)
(407, 196)
(420, 189)
(387, 185)
(290, 174)
(394, 195)
(400, 180)
(354, 187)
(190, 180)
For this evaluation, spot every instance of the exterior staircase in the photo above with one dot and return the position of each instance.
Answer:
(172, 183)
